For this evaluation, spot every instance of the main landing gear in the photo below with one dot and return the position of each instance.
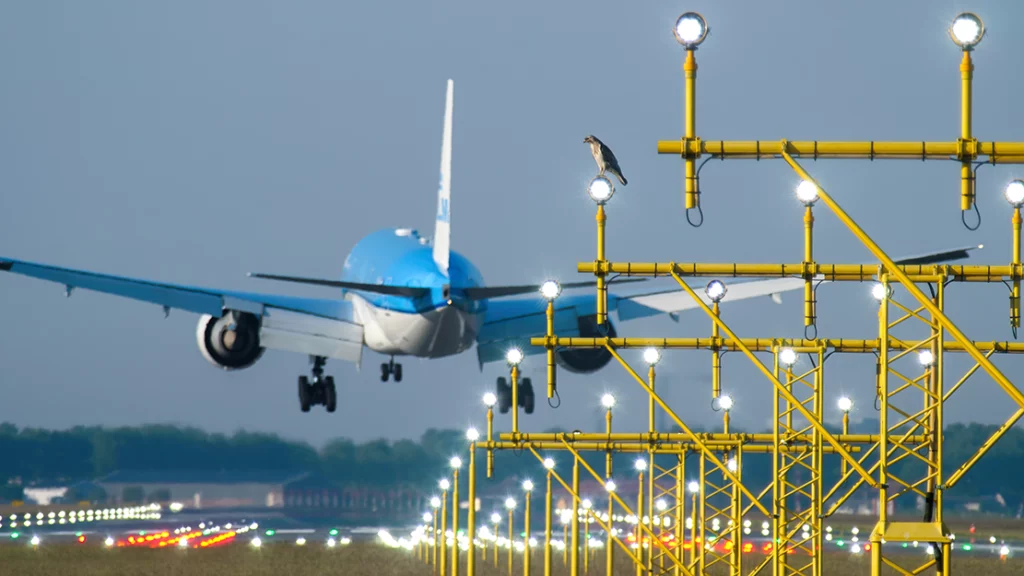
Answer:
(504, 394)
(320, 391)
(389, 369)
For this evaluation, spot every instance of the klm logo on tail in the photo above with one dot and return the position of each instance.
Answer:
(442, 211)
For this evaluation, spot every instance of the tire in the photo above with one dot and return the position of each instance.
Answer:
(526, 391)
(331, 394)
(504, 393)
(304, 392)
(398, 372)
(384, 372)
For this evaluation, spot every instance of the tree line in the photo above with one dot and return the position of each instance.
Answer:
(32, 455)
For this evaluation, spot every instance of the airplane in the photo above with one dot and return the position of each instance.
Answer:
(401, 294)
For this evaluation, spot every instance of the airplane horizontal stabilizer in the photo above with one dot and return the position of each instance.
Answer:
(486, 292)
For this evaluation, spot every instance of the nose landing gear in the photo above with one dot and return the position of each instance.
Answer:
(504, 394)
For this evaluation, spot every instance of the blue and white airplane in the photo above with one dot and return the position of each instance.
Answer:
(401, 295)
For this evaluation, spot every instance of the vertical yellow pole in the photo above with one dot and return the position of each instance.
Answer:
(574, 554)
(690, 73)
(455, 522)
(586, 540)
(515, 401)
(609, 559)
(702, 528)
(651, 547)
(819, 466)
(651, 406)
(1015, 294)
(526, 539)
(736, 515)
(496, 544)
(547, 529)
(490, 439)
(471, 515)
(883, 427)
(511, 539)
(716, 356)
(639, 522)
(693, 528)
(602, 289)
(940, 478)
(550, 313)
(434, 560)
(680, 515)
(608, 452)
(565, 542)
(810, 305)
(966, 174)
(444, 530)
(778, 498)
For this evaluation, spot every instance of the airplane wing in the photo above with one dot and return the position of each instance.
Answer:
(322, 327)
(509, 323)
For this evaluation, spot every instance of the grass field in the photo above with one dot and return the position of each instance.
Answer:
(355, 560)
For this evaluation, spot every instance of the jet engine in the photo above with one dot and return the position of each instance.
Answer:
(230, 342)
(587, 360)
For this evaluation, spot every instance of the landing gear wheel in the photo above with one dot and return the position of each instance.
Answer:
(526, 395)
(397, 371)
(305, 391)
(504, 394)
(330, 393)
(385, 372)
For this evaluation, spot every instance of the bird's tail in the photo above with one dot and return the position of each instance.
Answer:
(622, 179)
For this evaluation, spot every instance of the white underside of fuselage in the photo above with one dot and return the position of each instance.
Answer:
(434, 334)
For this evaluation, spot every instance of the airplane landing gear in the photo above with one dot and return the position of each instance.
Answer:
(389, 369)
(320, 391)
(504, 394)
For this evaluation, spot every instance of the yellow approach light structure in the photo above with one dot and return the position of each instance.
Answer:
(690, 503)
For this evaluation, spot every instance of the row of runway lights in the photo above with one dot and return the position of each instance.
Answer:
(149, 512)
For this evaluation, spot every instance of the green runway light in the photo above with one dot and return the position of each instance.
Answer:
(840, 543)
(334, 532)
(904, 544)
(966, 547)
(14, 535)
(271, 532)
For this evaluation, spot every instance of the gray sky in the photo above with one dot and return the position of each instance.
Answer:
(196, 141)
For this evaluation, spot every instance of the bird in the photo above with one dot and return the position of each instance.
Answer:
(605, 158)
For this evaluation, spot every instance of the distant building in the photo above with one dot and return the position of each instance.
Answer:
(200, 489)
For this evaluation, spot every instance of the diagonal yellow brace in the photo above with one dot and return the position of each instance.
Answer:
(937, 314)
(778, 385)
(955, 477)
(654, 537)
(576, 498)
(686, 430)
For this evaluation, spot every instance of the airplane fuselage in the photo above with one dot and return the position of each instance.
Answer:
(439, 324)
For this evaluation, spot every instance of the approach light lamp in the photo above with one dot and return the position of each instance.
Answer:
(690, 30)
(725, 402)
(490, 399)
(514, 356)
(427, 516)
(610, 486)
(455, 462)
(660, 504)
(880, 291)
(1015, 193)
(527, 485)
(967, 30)
(600, 190)
(652, 356)
(510, 503)
(608, 401)
(926, 358)
(550, 289)
(640, 464)
(549, 464)
(845, 404)
(444, 484)
(693, 486)
(807, 192)
(435, 502)
(472, 435)
(787, 356)
(716, 290)
(495, 518)
(587, 504)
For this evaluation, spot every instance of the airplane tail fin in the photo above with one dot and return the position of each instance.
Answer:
(442, 225)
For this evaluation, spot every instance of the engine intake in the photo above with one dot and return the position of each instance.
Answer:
(231, 341)
(584, 360)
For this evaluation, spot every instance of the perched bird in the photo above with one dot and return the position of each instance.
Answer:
(605, 159)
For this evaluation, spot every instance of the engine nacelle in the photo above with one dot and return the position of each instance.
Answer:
(587, 360)
(230, 342)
